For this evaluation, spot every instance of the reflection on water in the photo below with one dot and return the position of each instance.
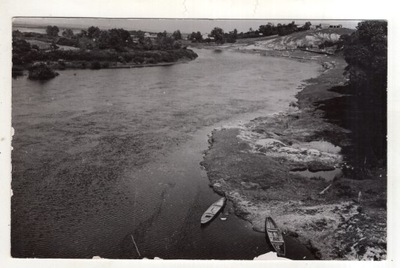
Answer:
(102, 155)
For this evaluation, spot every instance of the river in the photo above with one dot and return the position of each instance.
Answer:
(104, 157)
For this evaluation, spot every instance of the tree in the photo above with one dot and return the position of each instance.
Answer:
(164, 41)
(147, 44)
(231, 36)
(235, 33)
(83, 33)
(268, 29)
(366, 55)
(41, 71)
(307, 26)
(140, 36)
(162, 34)
(196, 37)
(52, 31)
(104, 40)
(285, 29)
(68, 33)
(218, 35)
(177, 35)
(93, 32)
(199, 36)
(119, 39)
(365, 51)
(292, 27)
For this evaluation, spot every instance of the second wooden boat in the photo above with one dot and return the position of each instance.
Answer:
(275, 236)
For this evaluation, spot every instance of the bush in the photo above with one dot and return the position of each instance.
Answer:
(41, 71)
(66, 42)
(138, 59)
(95, 65)
(17, 71)
(128, 57)
(151, 60)
(20, 46)
(16, 60)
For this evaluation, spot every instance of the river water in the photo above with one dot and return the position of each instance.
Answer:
(104, 157)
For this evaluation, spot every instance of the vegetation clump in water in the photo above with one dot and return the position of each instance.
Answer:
(41, 71)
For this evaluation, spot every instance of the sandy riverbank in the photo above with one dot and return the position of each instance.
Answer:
(279, 166)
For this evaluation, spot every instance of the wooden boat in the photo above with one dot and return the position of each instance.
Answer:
(275, 236)
(212, 211)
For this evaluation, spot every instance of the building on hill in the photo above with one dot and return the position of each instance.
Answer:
(150, 35)
(325, 26)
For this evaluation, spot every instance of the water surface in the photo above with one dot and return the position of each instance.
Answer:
(100, 156)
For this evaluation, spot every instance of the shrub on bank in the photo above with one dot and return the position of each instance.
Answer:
(17, 71)
(41, 71)
(95, 65)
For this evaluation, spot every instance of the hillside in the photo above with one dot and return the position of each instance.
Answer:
(310, 38)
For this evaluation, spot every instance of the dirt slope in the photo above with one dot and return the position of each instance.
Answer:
(310, 38)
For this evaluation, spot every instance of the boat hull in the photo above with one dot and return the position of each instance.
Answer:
(212, 211)
(275, 236)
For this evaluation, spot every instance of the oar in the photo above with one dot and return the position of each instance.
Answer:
(137, 250)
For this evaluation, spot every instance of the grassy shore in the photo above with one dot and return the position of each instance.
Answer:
(293, 167)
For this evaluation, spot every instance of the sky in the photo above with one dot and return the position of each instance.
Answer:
(170, 25)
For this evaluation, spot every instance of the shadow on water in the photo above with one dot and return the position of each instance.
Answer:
(295, 250)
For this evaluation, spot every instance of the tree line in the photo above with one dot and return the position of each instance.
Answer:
(120, 38)
(218, 35)
(116, 38)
